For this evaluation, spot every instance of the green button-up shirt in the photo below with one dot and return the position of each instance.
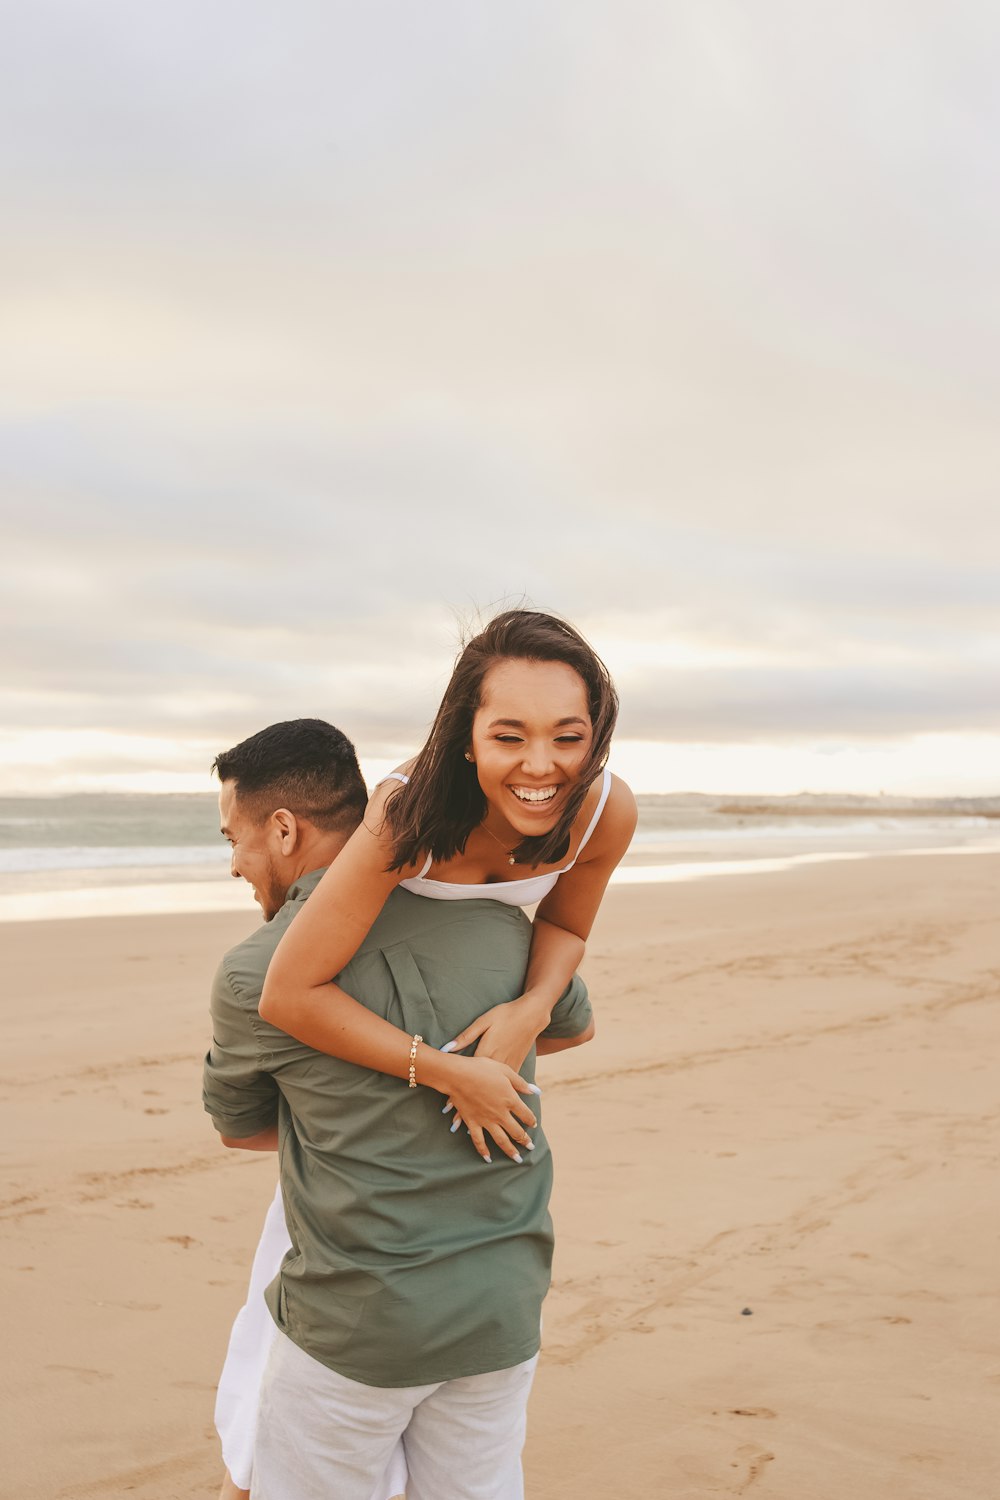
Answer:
(412, 1260)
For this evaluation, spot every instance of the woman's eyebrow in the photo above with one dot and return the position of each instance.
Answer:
(519, 723)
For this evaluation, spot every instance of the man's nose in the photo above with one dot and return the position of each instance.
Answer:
(232, 867)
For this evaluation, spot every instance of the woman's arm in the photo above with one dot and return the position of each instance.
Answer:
(326, 934)
(300, 999)
(561, 927)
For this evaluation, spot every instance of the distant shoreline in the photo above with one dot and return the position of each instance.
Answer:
(90, 854)
(886, 807)
(173, 897)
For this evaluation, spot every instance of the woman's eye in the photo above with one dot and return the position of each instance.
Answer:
(569, 739)
(509, 739)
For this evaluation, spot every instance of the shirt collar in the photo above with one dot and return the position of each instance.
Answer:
(305, 885)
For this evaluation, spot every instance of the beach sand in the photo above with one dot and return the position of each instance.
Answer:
(776, 1206)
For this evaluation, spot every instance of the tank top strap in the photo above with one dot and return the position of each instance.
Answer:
(602, 799)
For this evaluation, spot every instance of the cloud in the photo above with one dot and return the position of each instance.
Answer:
(325, 325)
(811, 704)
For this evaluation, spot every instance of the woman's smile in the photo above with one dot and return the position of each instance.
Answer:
(534, 796)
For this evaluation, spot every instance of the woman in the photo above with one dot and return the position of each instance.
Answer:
(510, 799)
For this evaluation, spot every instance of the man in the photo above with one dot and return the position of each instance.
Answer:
(409, 1303)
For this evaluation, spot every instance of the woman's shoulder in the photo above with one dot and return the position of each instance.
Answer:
(614, 828)
(376, 826)
(391, 783)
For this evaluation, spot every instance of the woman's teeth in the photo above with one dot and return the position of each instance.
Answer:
(542, 794)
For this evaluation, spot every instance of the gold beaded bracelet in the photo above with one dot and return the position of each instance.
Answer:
(413, 1060)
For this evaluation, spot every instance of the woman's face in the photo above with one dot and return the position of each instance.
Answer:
(530, 738)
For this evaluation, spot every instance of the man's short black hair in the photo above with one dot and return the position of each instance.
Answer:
(305, 765)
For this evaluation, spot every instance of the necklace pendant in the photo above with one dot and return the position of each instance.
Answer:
(510, 858)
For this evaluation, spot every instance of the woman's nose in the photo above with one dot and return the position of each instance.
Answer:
(537, 758)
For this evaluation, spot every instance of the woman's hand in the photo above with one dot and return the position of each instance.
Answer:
(487, 1097)
(506, 1032)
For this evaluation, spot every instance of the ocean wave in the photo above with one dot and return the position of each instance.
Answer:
(30, 861)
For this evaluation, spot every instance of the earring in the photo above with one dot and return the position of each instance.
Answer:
(468, 756)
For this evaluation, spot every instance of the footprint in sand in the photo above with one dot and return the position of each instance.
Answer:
(89, 1377)
(756, 1460)
(752, 1411)
(749, 1458)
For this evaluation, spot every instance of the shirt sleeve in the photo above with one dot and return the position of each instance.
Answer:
(240, 1096)
(572, 1013)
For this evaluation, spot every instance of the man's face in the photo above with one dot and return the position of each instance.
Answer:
(256, 852)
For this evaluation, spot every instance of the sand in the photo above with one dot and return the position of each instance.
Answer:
(776, 1204)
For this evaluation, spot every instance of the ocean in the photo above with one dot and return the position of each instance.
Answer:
(102, 854)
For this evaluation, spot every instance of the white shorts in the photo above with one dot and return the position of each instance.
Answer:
(250, 1343)
(321, 1436)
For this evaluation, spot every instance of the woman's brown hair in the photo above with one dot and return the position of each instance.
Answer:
(443, 801)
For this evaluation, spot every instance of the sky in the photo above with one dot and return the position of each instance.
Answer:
(326, 329)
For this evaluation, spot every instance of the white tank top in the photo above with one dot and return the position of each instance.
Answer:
(513, 892)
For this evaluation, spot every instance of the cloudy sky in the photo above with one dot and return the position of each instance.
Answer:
(325, 326)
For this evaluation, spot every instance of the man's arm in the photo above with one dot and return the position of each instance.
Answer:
(546, 1045)
(240, 1096)
(571, 1023)
(264, 1140)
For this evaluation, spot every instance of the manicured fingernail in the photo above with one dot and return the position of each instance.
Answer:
(529, 1145)
(518, 1159)
(533, 1088)
(447, 1108)
(448, 1047)
(487, 1158)
(455, 1126)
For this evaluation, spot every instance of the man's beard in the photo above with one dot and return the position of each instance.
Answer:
(271, 894)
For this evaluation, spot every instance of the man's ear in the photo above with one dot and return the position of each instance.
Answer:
(286, 825)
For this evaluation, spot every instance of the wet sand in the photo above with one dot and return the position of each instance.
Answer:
(776, 1210)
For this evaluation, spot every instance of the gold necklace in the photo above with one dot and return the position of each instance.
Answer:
(509, 852)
